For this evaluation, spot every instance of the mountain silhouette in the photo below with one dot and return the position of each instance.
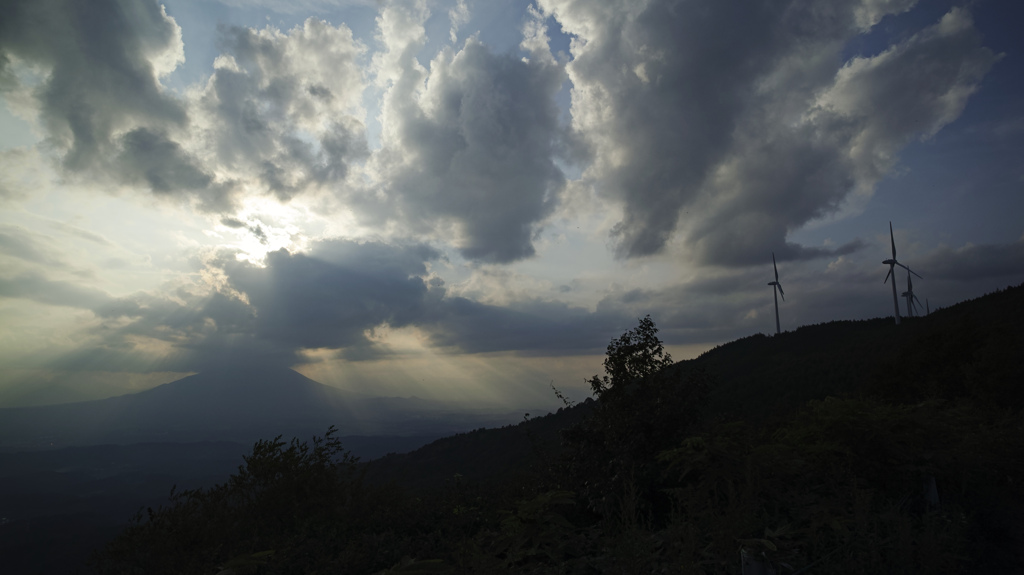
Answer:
(228, 404)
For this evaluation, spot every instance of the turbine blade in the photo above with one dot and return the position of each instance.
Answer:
(915, 273)
(887, 275)
(892, 239)
(775, 267)
(782, 293)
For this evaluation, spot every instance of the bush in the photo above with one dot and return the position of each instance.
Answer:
(288, 509)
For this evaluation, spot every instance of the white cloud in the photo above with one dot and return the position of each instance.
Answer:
(282, 112)
(468, 145)
(909, 91)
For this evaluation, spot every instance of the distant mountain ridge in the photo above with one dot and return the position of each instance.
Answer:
(238, 404)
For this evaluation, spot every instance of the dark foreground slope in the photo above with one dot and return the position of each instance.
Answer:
(489, 455)
(884, 450)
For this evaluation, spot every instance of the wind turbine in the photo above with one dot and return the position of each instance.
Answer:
(892, 263)
(909, 294)
(776, 291)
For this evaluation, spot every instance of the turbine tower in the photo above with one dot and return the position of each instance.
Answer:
(892, 263)
(909, 294)
(776, 290)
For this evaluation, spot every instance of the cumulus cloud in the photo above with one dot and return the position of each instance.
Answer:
(722, 126)
(281, 112)
(150, 159)
(469, 145)
(530, 327)
(100, 65)
(736, 123)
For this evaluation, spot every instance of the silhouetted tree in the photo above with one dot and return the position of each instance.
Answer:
(633, 357)
(643, 407)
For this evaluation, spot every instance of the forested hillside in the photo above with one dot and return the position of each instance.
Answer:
(848, 447)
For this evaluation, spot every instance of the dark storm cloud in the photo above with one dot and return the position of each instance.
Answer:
(329, 298)
(533, 327)
(190, 331)
(332, 298)
(737, 122)
(474, 150)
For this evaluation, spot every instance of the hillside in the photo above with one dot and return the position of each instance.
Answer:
(762, 376)
(759, 378)
(849, 447)
(518, 450)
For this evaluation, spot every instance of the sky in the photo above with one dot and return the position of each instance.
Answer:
(467, 200)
